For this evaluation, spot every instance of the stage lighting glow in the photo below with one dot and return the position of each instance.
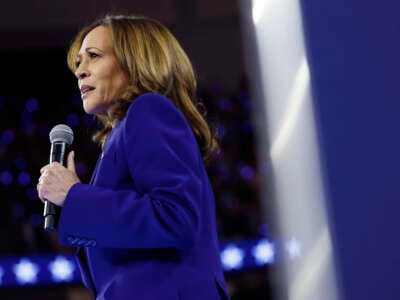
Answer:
(263, 252)
(246, 172)
(6, 177)
(7, 137)
(32, 105)
(54, 269)
(62, 269)
(26, 271)
(293, 248)
(258, 10)
(232, 257)
(24, 178)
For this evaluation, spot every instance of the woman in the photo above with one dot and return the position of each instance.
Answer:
(145, 226)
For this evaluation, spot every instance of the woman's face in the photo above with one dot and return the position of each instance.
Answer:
(101, 79)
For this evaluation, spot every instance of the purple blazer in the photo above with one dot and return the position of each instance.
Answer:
(145, 227)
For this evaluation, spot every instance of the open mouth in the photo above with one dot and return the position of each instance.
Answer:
(85, 90)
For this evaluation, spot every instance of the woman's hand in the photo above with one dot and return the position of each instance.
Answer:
(56, 180)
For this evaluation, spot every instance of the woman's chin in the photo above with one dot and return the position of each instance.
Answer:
(94, 107)
(90, 110)
(87, 109)
(94, 111)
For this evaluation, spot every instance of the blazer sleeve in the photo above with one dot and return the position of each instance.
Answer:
(164, 209)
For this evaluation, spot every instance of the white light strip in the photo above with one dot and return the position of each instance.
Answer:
(291, 146)
(297, 97)
(318, 258)
(258, 10)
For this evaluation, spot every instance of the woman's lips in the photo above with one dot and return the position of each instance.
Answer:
(85, 90)
(85, 94)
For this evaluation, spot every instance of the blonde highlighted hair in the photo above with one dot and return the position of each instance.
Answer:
(154, 62)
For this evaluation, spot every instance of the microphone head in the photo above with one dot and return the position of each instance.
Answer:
(61, 133)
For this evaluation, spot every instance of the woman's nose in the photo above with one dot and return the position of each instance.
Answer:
(81, 72)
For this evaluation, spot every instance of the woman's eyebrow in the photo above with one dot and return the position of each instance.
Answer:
(91, 48)
(78, 56)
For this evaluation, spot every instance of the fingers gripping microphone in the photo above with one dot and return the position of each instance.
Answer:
(61, 137)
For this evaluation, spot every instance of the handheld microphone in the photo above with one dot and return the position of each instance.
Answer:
(61, 138)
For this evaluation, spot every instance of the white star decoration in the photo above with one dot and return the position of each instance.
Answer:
(26, 271)
(263, 252)
(293, 248)
(61, 269)
(232, 257)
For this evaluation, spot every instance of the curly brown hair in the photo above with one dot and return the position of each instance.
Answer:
(155, 62)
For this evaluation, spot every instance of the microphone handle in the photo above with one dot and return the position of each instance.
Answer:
(51, 212)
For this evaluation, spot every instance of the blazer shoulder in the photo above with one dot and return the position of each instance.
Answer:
(151, 102)
(152, 110)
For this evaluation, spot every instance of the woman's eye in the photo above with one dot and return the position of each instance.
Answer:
(77, 63)
(93, 55)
